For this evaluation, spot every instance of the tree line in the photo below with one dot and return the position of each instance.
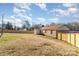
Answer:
(26, 25)
(10, 26)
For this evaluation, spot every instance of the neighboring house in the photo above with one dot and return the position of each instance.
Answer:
(53, 30)
(37, 30)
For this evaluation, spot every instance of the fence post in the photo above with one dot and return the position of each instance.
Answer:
(61, 36)
(74, 39)
(67, 36)
(70, 38)
(56, 34)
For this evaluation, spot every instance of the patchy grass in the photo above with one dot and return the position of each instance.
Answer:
(35, 45)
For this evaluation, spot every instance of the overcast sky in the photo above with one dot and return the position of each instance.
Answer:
(39, 13)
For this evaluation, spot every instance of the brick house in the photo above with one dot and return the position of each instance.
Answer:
(53, 30)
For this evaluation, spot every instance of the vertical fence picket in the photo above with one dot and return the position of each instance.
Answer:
(74, 39)
(70, 38)
(61, 36)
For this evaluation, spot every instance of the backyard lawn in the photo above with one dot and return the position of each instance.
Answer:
(34, 45)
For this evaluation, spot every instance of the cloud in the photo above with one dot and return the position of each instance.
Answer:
(55, 20)
(72, 10)
(17, 10)
(64, 12)
(17, 21)
(72, 7)
(75, 17)
(41, 19)
(20, 15)
(23, 6)
(8, 19)
(29, 19)
(69, 5)
(12, 17)
(42, 6)
(22, 18)
(59, 12)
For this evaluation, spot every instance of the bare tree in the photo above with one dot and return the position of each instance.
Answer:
(26, 25)
(9, 26)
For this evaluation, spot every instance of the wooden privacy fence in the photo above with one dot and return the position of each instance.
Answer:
(68, 36)
(72, 38)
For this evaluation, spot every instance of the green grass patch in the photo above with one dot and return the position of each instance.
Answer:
(6, 38)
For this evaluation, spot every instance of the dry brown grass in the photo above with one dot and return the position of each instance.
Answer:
(35, 45)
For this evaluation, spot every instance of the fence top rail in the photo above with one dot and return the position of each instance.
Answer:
(69, 31)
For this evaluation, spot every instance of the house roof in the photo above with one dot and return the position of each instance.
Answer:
(56, 27)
